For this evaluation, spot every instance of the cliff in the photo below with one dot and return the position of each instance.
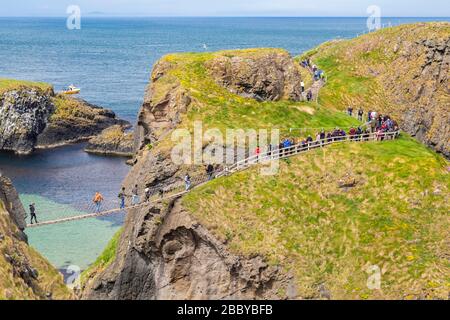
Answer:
(24, 274)
(32, 116)
(295, 235)
(164, 252)
(403, 71)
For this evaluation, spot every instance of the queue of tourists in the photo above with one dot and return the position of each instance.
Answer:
(318, 74)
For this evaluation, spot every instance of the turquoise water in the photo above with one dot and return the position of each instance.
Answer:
(61, 183)
(111, 60)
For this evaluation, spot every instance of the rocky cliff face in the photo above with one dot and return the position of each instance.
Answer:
(401, 71)
(164, 253)
(24, 273)
(10, 199)
(267, 76)
(31, 117)
(24, 114)
(428, 117)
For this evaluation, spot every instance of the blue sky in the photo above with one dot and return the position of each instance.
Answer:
(398, 8)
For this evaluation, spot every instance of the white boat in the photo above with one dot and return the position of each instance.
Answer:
(71, 90)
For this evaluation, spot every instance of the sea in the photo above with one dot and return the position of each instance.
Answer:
(111, 59)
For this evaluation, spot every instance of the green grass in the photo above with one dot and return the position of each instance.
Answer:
(300, 219)
(10, 84)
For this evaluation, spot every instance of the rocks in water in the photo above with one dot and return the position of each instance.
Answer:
(112, 141)
(32, 117)
(268, 75)
(76, 120)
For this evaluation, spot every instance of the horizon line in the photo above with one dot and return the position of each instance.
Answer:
(100, 15)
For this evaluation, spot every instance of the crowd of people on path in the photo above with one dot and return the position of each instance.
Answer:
(378, 126)
(318, 74)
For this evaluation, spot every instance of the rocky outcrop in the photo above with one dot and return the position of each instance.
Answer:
(32, 118)
(10, 199)
(428, 117)
(112, 141)
(163, 106)
(24, 273)
(24, 114)
(263, 76)
(165, 254)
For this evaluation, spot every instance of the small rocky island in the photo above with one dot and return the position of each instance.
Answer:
(113, 141)
(33, 116)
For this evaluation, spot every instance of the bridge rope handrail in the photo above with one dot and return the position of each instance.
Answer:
(268, 156)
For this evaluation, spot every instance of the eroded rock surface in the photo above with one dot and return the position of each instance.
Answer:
(167, 255)
(270, 76)
(24, 114)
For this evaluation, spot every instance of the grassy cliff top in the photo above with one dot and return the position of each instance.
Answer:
(396, 217)
(10, 84)
(219, 108)
(359, 69)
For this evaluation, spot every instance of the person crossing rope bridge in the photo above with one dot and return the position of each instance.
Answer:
(98, 200)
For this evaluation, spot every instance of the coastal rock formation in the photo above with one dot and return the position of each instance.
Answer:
(262, 76)
(165, 253)
(232, 239)
(165, 101)
(112, 141)
(10, 199)
(24, 114)
(34, 117)
(76, 120)
(24, 273)
(402, 71)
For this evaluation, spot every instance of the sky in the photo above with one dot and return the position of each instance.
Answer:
(315, 8)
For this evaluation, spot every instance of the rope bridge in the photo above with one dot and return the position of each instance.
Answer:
(158, 195)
